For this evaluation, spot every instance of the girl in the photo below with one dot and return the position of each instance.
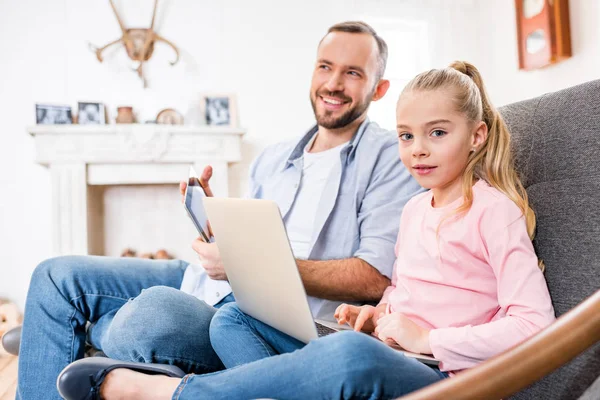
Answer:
(467, 284)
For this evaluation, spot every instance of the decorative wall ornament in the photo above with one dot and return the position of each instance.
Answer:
(543, 32)
(139, 43)
(169, 116)
(125, 115)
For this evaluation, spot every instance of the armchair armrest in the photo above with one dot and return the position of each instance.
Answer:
(525, 363)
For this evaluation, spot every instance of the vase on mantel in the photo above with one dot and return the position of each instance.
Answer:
(125, 115)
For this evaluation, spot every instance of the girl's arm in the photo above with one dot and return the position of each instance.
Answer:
(525, 304)
(389, 289)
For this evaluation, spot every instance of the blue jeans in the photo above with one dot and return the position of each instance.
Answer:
(136, 313)
(240, 339)
(346, 365)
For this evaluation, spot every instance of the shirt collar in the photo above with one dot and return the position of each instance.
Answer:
(348, 150)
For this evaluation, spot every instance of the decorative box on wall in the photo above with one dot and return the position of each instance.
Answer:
(543, 32)
(82, 156)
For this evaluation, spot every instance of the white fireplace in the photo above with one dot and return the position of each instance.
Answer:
(115, 186)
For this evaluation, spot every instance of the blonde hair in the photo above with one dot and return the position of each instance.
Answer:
(493, 161)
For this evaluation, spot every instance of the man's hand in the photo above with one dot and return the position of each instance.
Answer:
(210, 259)
(204, 178)
(359, 318)
(209, 256)
(404, 332)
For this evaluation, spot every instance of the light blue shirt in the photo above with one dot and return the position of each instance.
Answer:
(358, 214)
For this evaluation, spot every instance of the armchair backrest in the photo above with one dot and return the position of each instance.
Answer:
(556, 139)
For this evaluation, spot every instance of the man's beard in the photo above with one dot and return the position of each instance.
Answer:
(327, 121)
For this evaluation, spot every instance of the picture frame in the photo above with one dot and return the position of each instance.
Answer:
(51, 114)
(220, 109)
(89, 113)
(543, 32)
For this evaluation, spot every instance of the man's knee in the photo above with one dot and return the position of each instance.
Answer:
(224, 322)
(159, 321)
(343, 341)
(227, 315)
(353, 354)
(55, 272)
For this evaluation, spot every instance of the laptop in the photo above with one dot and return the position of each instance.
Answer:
(262, 270)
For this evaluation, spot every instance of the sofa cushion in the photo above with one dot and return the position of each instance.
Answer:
(556, 140)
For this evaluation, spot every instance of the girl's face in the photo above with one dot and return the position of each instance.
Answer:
(435, 140)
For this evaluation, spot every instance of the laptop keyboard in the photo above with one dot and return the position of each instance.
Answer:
(323, 330)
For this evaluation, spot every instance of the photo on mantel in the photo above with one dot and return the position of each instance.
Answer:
(91, 114)
(220, 110)
(48, 114)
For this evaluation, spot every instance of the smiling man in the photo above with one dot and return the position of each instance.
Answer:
(340, 188)
(347, 77)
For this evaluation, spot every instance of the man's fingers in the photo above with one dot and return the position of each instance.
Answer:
(204, 178)
(198, 245)
(210, 232)
(182, 187)
(206, 174)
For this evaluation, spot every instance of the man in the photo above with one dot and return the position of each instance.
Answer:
(340, 188)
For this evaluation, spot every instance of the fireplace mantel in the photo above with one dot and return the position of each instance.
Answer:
(80, 156)
(134, 143)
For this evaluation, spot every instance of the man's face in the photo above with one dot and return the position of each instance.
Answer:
(344, 79)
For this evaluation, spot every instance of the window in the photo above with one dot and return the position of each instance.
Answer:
(409, 54)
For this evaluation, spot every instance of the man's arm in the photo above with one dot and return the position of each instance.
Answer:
(350, 279)
(365, 276)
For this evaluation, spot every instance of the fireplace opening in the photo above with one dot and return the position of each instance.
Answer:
(145, 221)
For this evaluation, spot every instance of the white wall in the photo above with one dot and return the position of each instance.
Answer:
(262, 50)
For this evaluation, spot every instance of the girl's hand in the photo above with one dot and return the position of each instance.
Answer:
(359, 318)
(403, 331)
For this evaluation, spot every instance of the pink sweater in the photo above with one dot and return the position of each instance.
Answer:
(476, 284)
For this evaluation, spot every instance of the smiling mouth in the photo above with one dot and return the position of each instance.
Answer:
(424, 169)
(332, 101)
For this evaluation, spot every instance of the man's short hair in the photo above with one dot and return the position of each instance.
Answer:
(363, 27)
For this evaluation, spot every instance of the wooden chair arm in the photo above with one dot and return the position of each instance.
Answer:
(520, 366)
